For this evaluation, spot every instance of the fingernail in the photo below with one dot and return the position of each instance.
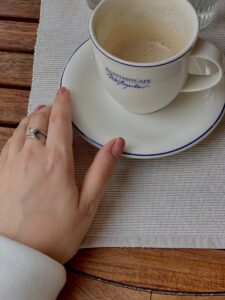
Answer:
(61, 91)
(118, 148)
(46, 108)
(40, 107)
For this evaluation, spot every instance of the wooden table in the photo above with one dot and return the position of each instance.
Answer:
(112, 273)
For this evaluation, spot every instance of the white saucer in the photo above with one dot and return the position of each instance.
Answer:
(185, 122)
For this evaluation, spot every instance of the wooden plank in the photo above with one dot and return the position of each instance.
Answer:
(16, 69)
(82, 288)
(27, 9)
(200, 271)
(13, 106)
(5, 134)
(170, 297)
(17, 36)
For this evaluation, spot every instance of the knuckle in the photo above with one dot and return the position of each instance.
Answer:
(90, 208)
(61, 117)
(43, 113)
(39, 115)
(89, 204)
(104, 168)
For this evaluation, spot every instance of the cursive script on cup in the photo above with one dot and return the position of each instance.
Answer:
(126, 82)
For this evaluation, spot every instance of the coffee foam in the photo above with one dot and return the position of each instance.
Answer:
(145, 43)
(140, 50)
(142, 31)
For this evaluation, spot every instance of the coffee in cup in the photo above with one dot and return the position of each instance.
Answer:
(145, 51)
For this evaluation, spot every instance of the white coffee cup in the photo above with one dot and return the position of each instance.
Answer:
(162, 33)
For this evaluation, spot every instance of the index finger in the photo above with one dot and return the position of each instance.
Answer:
(60, 125)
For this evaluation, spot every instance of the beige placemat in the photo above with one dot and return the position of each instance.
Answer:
(177, 201)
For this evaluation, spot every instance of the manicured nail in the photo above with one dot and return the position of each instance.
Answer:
(118, 148)
(46, 108)
(39, 107)
(61, 91)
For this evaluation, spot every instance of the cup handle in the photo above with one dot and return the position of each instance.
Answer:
(205, 66)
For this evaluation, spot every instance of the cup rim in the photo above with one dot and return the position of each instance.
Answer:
(173, 58)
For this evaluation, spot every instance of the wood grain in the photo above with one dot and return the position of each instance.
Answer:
(13, 106)
(83, 288)
(16, 69)
(168, 297)
(26, 9)
(201, 271)
(17, 36)
(183, 271)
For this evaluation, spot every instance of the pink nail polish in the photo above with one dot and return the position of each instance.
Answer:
(118, 148)
(61, 91)
(39, 107)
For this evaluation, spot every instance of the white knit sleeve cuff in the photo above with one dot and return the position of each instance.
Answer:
(26, 274)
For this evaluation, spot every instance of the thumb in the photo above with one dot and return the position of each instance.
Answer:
(98, 175)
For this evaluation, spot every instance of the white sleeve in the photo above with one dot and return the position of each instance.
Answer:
(26, 274)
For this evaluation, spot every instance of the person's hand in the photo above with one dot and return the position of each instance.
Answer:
(40, 204)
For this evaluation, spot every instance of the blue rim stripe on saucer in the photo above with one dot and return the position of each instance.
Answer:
(167, 153)
(60, 84)
(151, 155)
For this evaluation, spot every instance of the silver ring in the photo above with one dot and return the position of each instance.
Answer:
(34, 133)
